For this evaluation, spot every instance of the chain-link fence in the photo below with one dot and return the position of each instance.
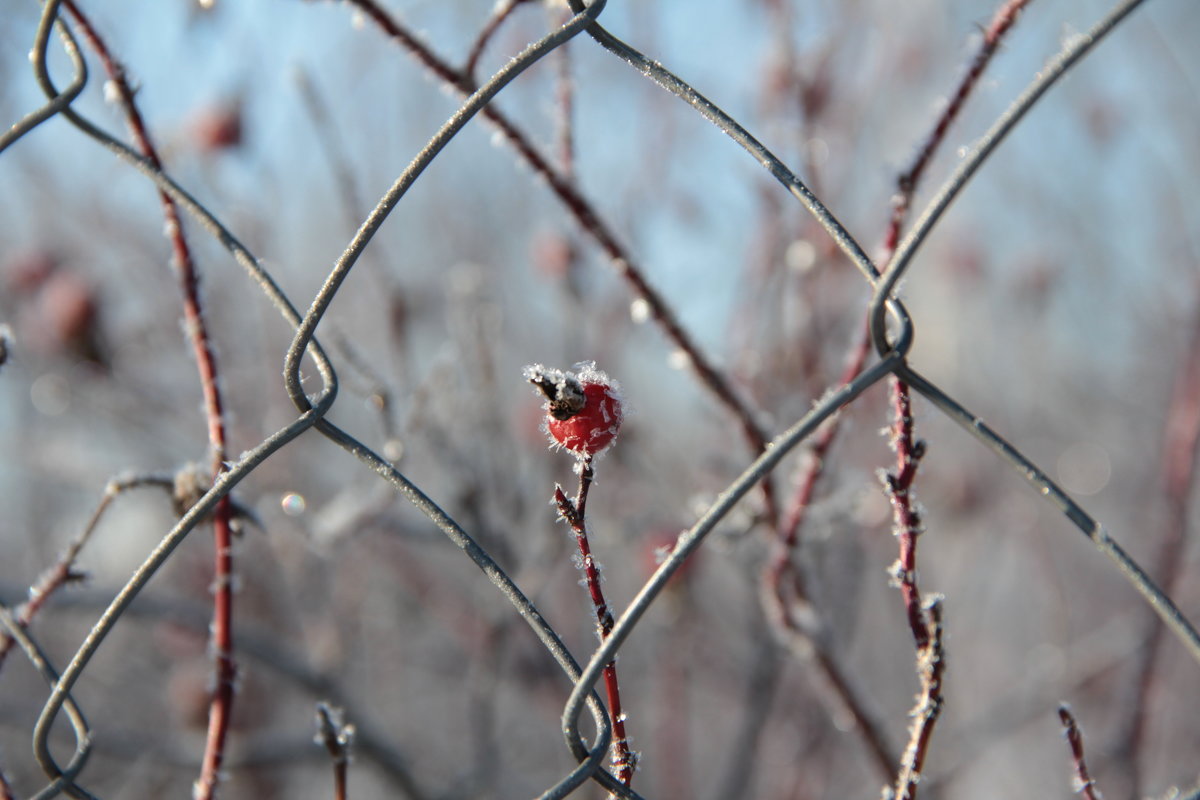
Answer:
(199, 576)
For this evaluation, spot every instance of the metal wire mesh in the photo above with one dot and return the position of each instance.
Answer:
(765, 650)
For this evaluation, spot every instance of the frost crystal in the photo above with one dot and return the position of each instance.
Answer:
(679, 359)
(800, 256)
(639, 310)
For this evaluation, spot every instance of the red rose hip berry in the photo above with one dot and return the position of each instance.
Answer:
(583, 408)
(594, 427)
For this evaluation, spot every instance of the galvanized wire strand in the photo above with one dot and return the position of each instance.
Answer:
(691, 539)
(79, 725)
(142, 575)
(1075, 48)
(62, 99)
(1143, 583)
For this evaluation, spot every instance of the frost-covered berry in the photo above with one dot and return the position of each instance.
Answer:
(583, 408)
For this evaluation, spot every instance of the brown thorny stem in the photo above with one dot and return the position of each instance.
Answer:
(1085, 785)
(931, 667)
(221, 704)
(575, 513)
(63, 571)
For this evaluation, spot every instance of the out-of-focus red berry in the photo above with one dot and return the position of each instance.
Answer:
(68, 310)
(218, 128)
(26, 272)
(658, 546)
(553, 255)
(583, 409)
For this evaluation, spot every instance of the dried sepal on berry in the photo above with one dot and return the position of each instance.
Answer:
(584, 409)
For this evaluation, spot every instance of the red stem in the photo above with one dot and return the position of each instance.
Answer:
(908, 451)
(624, 761)
(931, 667)
(1002, 21)
(499, 15)
(906, 519)
(222, 625)
(1085, 785)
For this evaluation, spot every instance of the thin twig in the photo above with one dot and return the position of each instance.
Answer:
(908, 451)
(846, 699)
(1002, 21)
(1084, 785)
(906, 519)
(784, 590)
(337, 737)
(813, 468)
(564, 95)
(64, 571)
(500, 13)
(793, 619)
(221, 704)
(332, 146)
(931, 666)
(575, 514)
(1073, 50)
